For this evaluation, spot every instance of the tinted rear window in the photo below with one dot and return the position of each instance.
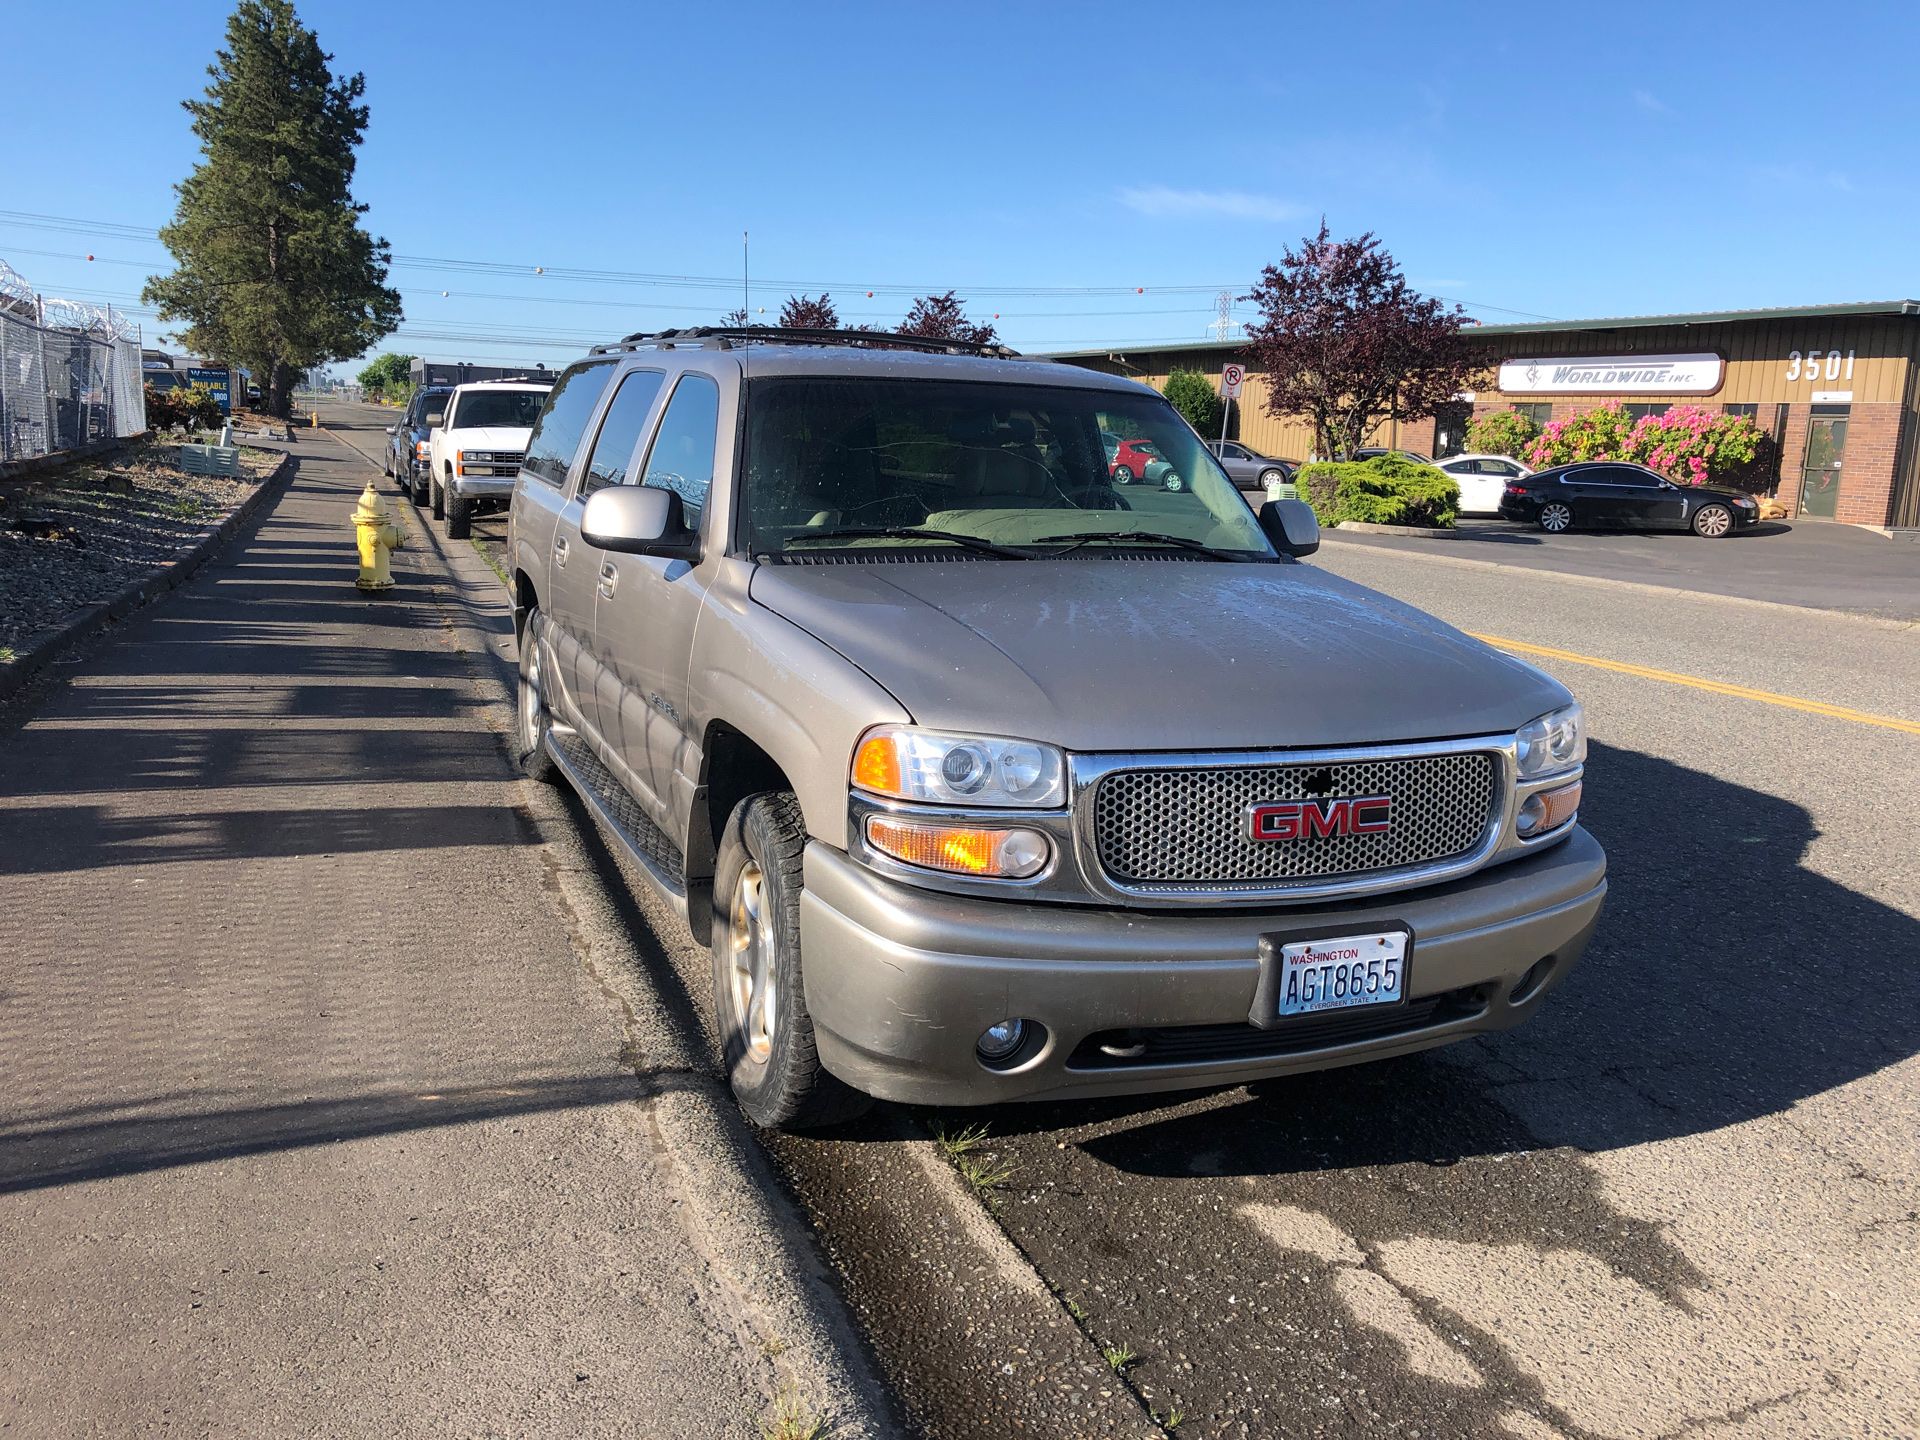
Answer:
(563, 420)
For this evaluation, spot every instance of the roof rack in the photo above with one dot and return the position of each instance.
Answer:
(728, 337)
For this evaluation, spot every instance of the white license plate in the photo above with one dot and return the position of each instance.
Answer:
(1342, 972)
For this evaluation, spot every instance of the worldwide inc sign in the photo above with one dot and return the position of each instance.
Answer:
(1613, 375)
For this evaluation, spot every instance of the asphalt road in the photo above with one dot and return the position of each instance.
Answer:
(1684, 1201)
(1818, 565)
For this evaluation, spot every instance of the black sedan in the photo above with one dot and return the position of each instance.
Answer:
(1612, 495)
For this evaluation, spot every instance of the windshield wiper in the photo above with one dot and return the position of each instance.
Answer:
(1142, 537)
(911, 532)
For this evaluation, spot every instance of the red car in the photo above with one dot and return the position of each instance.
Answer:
(1139, 460)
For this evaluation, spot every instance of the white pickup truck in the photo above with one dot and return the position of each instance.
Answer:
(475, 454)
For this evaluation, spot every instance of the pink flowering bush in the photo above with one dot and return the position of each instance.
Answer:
(1688, 444)
(1501, 432)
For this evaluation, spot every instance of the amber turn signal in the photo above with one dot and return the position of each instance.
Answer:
(960, 849)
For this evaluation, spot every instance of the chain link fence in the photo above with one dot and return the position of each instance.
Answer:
(69, 373)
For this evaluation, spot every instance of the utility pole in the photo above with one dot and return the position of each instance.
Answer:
(746, 304)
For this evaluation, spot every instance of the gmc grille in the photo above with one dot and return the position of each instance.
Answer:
(1187, 827)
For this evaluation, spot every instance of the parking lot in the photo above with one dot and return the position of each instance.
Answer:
(1684, 1200)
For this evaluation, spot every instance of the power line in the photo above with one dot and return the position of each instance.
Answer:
(670, 280)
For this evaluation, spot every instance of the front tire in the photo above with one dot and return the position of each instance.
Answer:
(1173, 483)
(1712, 522)
(1556, 518)
(766, 1036)
(1271, 478)
(439, 499)
(459, 517)
(418, 488)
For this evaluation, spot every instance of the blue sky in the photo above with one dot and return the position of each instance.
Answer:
(1529, 161)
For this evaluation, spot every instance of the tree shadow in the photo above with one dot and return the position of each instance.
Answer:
(102, 1144)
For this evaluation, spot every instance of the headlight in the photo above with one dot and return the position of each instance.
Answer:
(1551, 744)
(904, 763)
(419, 449)
(476, 457)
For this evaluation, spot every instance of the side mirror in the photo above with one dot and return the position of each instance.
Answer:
(1290, 526)
(638, 520)
(435, 418)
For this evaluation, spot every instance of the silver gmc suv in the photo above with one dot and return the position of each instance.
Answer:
(987, 779)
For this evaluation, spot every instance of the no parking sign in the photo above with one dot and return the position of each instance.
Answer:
(1230, 381)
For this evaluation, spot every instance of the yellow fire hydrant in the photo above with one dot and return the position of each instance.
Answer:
(378, 536)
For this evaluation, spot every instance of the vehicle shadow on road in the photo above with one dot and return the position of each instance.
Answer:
(1727, 981)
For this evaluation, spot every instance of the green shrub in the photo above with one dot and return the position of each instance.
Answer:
(1193, 395)
(185, 407)
(1501, 432)
(1387, 490)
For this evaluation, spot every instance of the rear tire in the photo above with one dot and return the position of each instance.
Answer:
(459, 517)
(1556, 517)
(1713, 522)
(534, 719)
(1122, 475)
(766, 1036)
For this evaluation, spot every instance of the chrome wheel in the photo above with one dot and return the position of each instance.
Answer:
(1556, 518)
(1175, 483)
(1122, 475)
(1713, 522)
(753, 957)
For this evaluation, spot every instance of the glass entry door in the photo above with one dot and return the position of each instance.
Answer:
(1826, 448)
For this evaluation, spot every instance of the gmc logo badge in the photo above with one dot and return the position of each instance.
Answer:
(1320, 819)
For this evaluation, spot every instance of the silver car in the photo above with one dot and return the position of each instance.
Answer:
(1249, 469)
(987, 779)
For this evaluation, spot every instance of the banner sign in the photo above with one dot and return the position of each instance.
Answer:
(1613, 375)
(217, 381)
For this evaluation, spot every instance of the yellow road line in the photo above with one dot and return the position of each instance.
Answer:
(1717, 687)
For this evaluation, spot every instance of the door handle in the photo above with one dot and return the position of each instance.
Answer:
(560, 548)
(609, 577)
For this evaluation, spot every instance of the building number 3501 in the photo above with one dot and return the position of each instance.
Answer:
(1808, 367)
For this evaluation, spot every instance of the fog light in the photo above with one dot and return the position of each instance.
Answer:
(1000, 1040)
(1546, 810)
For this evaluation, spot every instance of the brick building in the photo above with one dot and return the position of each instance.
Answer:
(1838, 387)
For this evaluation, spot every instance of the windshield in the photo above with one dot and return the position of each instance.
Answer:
(1015, 465)
(496, 407)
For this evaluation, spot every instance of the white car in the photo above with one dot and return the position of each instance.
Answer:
(1483, 480)
(476, 452)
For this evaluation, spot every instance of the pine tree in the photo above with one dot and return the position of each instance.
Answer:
(272, 269)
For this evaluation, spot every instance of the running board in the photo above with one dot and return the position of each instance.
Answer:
(619, 817)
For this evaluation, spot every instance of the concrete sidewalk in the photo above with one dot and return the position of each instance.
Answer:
(317, 1117)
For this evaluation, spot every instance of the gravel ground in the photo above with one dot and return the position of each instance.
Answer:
(80, 535)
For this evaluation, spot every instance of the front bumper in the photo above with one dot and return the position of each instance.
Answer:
(484, 487)
(901, 981)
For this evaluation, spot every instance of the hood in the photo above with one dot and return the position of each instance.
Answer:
(1109, 654)
(490, 437)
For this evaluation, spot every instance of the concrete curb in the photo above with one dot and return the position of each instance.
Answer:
(750, 1234)
(1668, 591)
(49, 645)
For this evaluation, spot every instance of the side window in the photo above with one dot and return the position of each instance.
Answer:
(620, 432)
(1626, 475)
(681, 459)
(563, 420)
